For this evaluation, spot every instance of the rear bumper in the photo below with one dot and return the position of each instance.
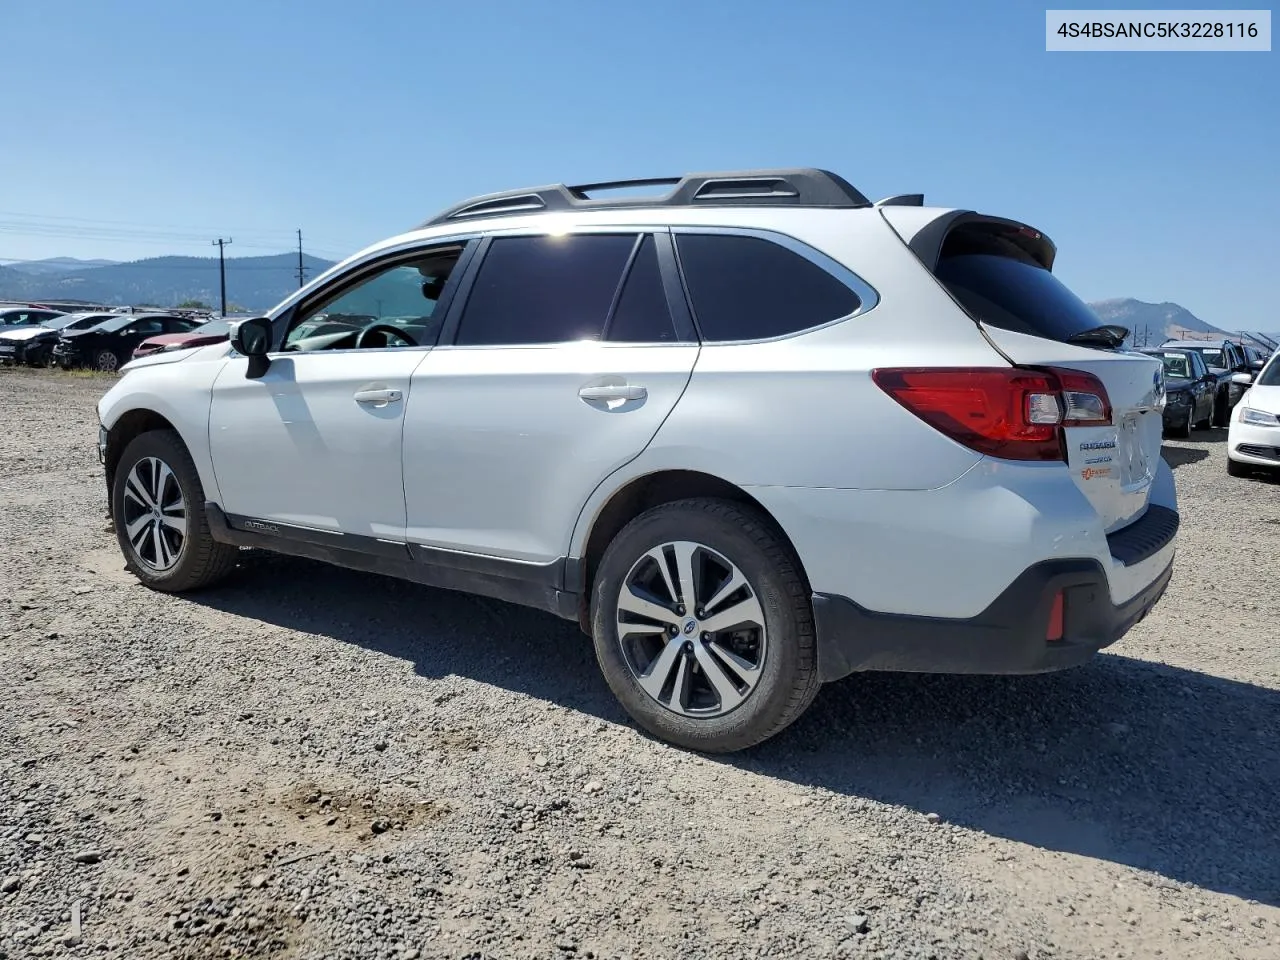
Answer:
(1008, 637)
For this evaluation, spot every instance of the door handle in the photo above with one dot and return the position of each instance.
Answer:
(622, 391)
(379, 398)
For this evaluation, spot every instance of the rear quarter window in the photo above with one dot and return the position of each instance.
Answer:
(749, 288)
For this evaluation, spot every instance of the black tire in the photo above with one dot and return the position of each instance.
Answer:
(1207, 422)
(106, 361)
(1221, 410)
(788, 679)
(1183, 432)
(202, 561)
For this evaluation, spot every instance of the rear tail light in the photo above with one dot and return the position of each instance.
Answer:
(1014, 413)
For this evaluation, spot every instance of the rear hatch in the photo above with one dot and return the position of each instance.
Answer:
(1000, 272)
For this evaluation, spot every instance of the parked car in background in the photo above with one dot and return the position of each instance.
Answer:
(752, 435)
(11, 317)
(1190, 390)
(33, 345)
(110, 344)
(1253, 436)
(1223, 358)
(212, 331)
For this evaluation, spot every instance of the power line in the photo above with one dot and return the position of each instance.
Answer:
(93, 230)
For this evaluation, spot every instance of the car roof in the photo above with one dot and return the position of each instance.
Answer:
(1191, 344)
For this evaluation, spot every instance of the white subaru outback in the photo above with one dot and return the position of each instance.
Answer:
(753, 434)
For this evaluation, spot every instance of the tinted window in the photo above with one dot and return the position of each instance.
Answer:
(642, 315)
(545, 289)
(1001, 284)
(746, 288)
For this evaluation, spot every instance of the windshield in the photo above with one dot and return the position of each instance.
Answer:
(1175, 364)
(1212, 356)
(66, 320)
(115, 323)
(1270, 375)
(999, 283)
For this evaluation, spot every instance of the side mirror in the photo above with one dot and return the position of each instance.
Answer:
(252, 338)
(1257, 364)
(1244, 379)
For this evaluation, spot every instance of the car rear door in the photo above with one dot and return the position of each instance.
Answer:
(560, 365)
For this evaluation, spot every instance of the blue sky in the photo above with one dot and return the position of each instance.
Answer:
(144, 127)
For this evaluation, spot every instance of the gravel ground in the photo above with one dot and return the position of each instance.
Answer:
(310, 763)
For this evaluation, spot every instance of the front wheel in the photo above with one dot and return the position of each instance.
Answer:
(703, 626)
(157, 509)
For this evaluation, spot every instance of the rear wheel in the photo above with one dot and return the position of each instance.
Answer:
(106, 361)
(703, 626)
(157, 509)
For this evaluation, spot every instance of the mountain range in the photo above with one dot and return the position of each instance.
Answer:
(254, 283)
(258, 283)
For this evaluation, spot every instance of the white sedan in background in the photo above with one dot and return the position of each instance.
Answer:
(1253, 435)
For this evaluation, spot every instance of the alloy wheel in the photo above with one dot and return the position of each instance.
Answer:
(154, 514)
(107, 362)
(691, 629)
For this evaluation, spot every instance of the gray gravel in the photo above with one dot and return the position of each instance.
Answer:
(310, 763)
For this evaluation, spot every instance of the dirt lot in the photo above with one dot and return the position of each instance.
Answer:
(309, 763)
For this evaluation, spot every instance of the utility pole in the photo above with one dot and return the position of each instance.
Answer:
(222, 270)
(302, 271)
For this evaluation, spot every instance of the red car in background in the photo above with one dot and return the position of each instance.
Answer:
(212, 332)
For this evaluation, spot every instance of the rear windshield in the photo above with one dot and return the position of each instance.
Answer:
(1175, 364)
(1212, 356)
(1001, 284)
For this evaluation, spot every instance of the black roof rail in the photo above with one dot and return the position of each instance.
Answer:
(798, 187)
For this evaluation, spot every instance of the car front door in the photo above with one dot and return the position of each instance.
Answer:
(558, 364)
(313, 445)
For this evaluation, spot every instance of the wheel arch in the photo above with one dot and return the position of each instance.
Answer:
(127, 427)
(633, 498)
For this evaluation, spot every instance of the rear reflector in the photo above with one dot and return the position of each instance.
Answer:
(1013, 413)
(1057, 617)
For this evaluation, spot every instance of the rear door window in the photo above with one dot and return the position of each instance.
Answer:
(642, 314)
(545, 289)
(1000, 283)
(749, 288)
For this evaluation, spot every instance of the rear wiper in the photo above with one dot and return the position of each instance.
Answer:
(1107, 335)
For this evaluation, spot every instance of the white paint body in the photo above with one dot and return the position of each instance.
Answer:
(491, 450)
(1266, 400)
